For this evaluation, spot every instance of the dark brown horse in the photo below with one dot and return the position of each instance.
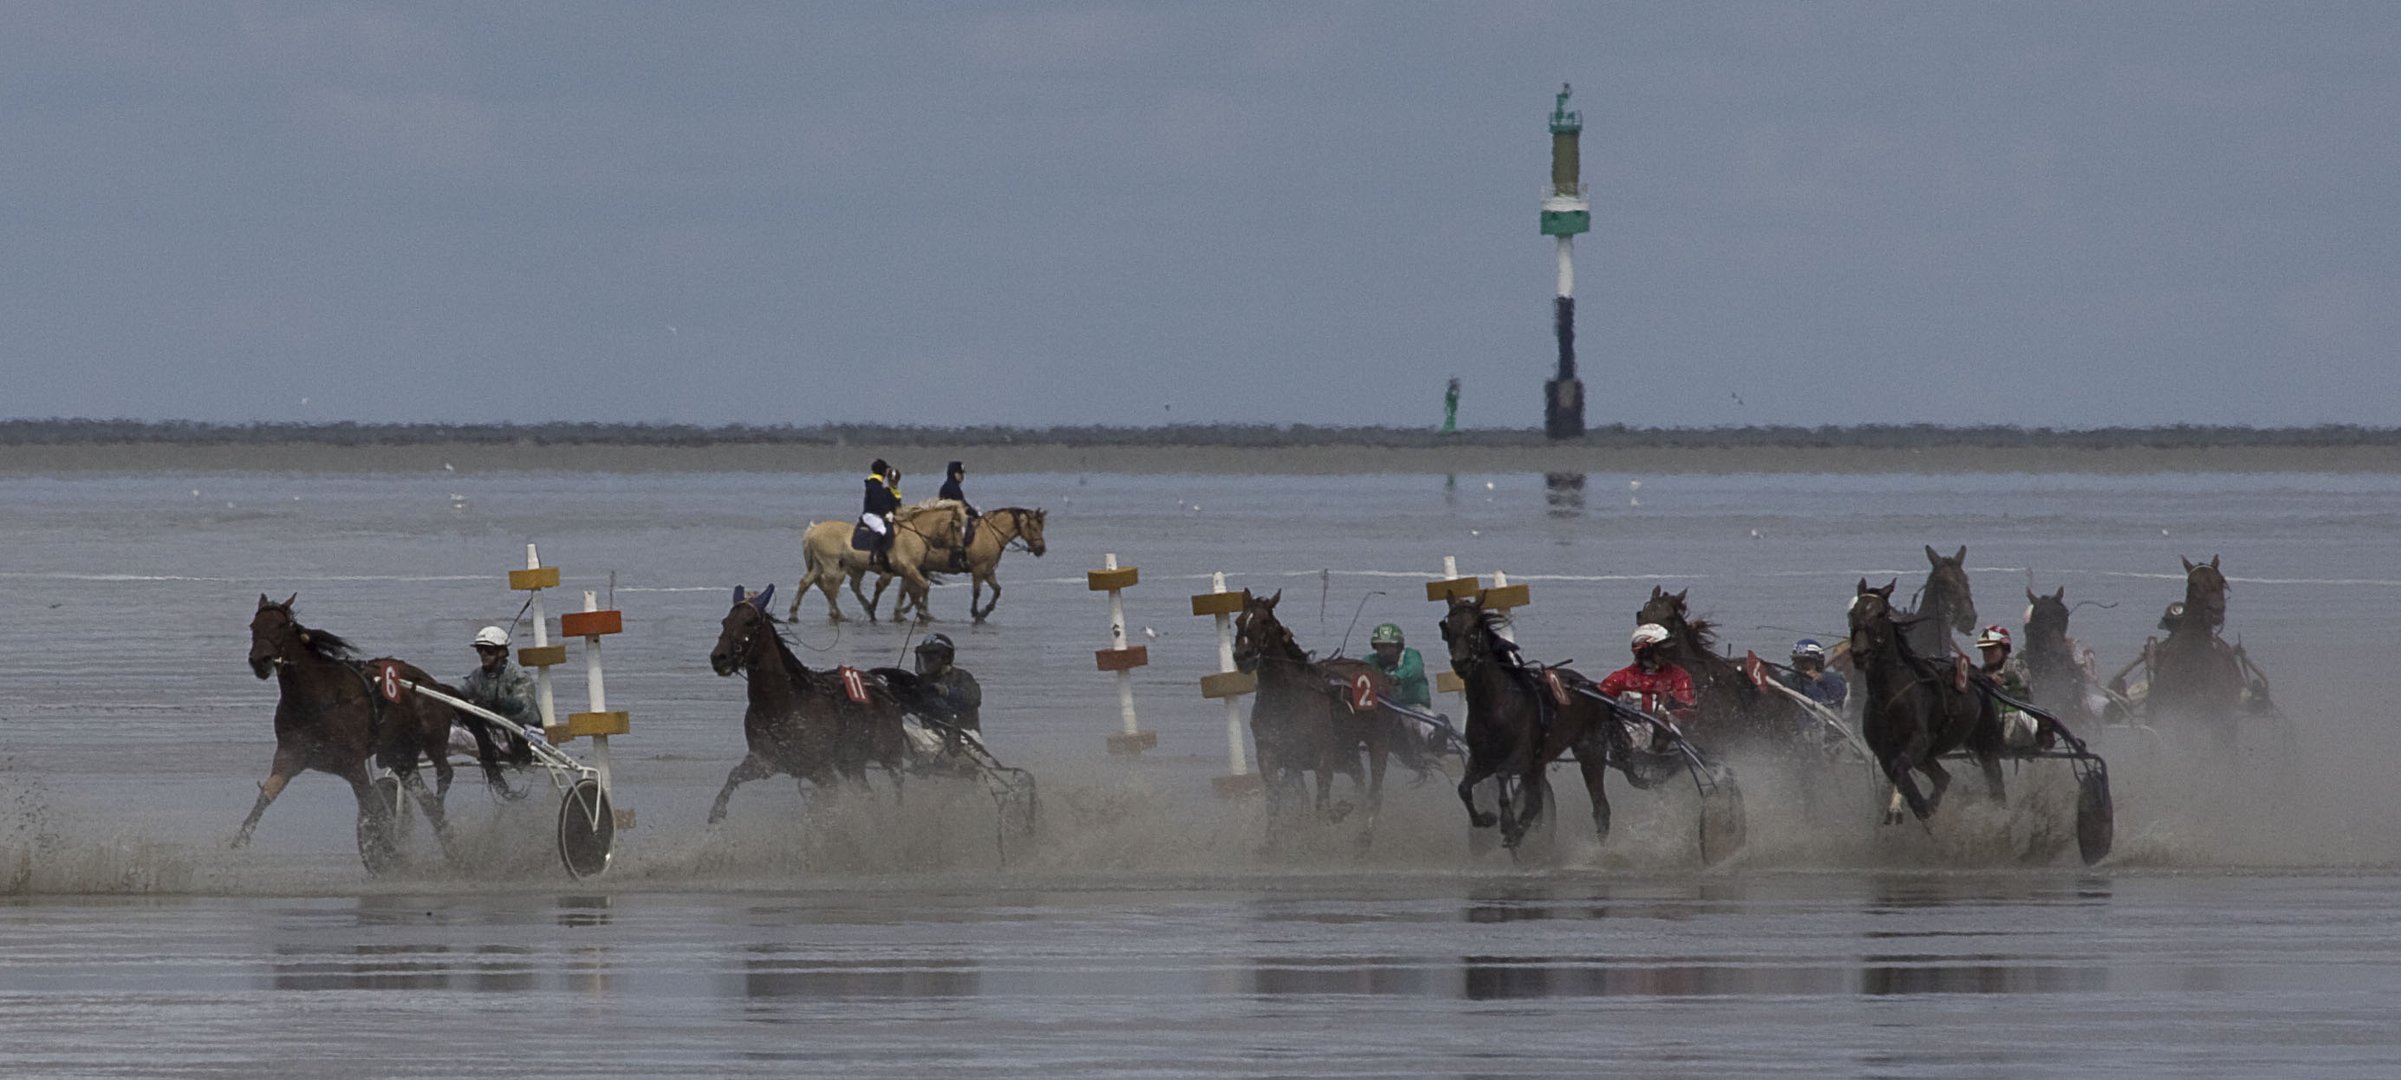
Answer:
(1944, 604)
(2196, 678)
(1918, 707)
(2053, 667)
(330, 717)
(801, 722)
(1519, 720)
(1731, 710)
(1310, 716)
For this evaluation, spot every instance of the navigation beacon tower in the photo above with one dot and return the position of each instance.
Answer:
(1565, 212)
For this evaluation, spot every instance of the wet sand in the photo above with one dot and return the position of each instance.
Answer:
(924, 460)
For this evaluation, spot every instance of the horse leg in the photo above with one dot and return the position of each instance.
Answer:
(751, 767)
(1475, 774)
(1942, 782)
(1529, 794)
(430, 805)
(881, 582)
(279, 773)
(1991, 764)
(1513, 827)
(1904, 786)
(1595, 768)
(914, 590)
(981, 580)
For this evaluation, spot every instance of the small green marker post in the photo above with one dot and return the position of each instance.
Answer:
(1450, 408)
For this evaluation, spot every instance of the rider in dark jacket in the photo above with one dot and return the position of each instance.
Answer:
(883, 500)
(952, 490)
(959, 689)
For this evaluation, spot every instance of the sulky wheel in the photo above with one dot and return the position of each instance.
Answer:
(587, 829)
(2096, 817)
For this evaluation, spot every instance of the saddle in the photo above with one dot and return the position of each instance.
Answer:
(862, 538)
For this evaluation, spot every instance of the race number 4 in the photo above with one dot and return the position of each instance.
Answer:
(854, 683)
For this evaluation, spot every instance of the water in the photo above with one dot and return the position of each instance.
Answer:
(2244, 928)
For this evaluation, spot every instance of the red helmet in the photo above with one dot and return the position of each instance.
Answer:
(1993, 635)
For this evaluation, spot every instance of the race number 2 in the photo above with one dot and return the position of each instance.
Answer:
(1363, 692)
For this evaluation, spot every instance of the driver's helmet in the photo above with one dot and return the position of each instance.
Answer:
(1993, 635)
(2173, 615)
(492, 636)
(1386, 634)
(1649, 635)
(936, 645)
(1808, 649)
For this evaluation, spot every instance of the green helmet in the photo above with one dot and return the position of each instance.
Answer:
(1386, 634)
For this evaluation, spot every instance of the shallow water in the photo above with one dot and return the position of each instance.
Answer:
(2245, 926)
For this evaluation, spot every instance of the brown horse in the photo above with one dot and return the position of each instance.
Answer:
(329, 717)
(1918, 707)
(2196, 677)
(990, 538)
(1310, 716)
(1520, 719)
(1730, 708)
(924, 535)
(2053, 667)
(801, 722)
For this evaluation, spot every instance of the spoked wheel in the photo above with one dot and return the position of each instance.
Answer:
(379, 825)
(1722, 825)
(2096, 816)
(587, 829)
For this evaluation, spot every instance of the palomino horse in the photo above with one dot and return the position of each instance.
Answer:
(924, 535)
(993, 533)
(2053, 667)
(329, 717)
(1731, 708)
(1310, 715)
(2196, 677)
(801, 722)
(1918, 707)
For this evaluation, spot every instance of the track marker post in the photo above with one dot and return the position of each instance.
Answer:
(1228, 685)
(1120, 657)
(591, 624)
(1440, 591)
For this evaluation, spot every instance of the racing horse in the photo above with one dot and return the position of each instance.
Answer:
(1311, 716)
(330, 717)
(2195, 676)
(800, 722)
(1918, 707)
(991, 536)
(1519, 720)
(923, 535)
(1729, 705)
(1944, 604)
(2053, 666)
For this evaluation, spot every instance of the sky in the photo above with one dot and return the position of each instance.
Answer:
(1824, 213)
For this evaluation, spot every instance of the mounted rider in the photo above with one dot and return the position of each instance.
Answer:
(875, 515)
(1810, 678)
(2007, 674)
(936, 664)
(1407, 669)
(952, 490)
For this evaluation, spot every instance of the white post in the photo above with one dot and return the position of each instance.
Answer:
(1235, 759)
(600, 697)
(1567, 266)
(1450, 572)
(1125, 679)
(550, 716)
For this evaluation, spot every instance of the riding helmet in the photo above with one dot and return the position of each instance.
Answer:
(1993, 635)
(1648, 635)
(937, 643)
(1386, 634)
(492, 636)
(1808, 649)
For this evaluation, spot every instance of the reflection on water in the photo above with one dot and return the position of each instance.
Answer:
(786, 971)
(1564, 494)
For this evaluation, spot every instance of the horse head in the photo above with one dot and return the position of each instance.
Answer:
(1947, 590)
(2204, 594)
(1029, 529)
(1257, 633)
(1664, 607)
(747, 626)
(2047, 619)
(274, 636)
(1872, 629)
(1467, 630)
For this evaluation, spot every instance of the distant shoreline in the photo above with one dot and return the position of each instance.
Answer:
(77, 446)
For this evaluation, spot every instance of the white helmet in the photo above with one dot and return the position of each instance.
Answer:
(493, 636)
(1992, 636)
(1649, 634)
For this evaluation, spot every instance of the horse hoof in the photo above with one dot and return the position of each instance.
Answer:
(1482, 821)
(1894, 817)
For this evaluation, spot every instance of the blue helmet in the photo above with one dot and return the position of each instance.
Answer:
(1808, 649)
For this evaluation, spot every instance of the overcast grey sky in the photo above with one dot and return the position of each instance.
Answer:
(2073, 214)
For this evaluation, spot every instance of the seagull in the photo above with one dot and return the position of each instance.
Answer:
(1150, 633)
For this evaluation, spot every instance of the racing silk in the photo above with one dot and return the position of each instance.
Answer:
(1408, 677)
(508, 691)
(1667, 690)
(1826, 688)
(2017, 728)
(961, 692)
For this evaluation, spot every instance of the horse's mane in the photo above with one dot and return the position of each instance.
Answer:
(324, 644)
(1702, 634)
